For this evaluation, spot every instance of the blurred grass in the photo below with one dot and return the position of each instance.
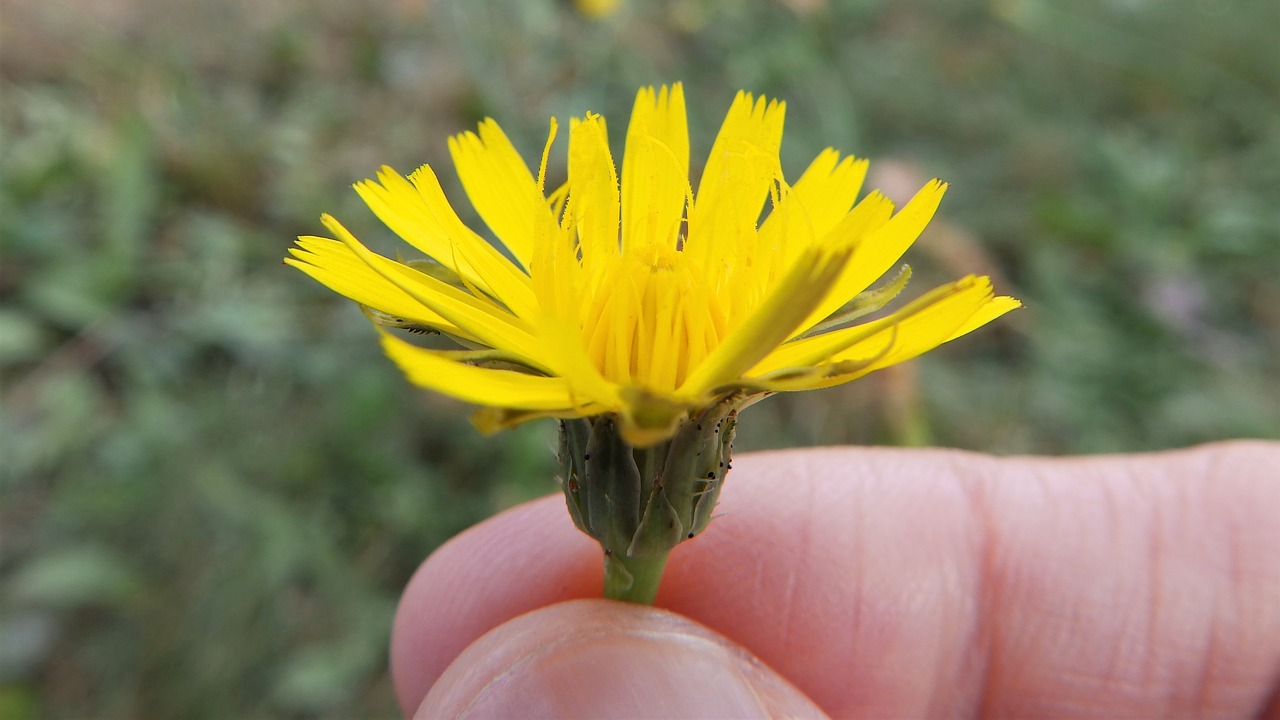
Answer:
(214, 486)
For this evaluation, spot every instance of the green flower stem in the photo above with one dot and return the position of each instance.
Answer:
(633, 579)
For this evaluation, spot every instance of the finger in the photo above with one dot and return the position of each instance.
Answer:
(523, 559)
(889, 582)
(605, 659)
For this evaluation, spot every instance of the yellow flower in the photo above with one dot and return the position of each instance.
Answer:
(635, 295)
(597, 8)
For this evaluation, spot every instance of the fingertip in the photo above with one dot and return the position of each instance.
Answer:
(602, 659)
(517, 561)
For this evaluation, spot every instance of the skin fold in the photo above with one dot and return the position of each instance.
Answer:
(888, 583)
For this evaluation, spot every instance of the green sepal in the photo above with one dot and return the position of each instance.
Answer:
(612, 495)
(573, 448)
(697, 461)
(707, 499)
(659, 530)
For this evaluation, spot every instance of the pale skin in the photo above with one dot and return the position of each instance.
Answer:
(881, 583)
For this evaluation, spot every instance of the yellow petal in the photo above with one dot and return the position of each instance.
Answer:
(927, 327)
(483, 321)
(777, 318)
(985, 314)
(501, 187)
(609, 332)
(915, 336)
(570, 361)
(593, 192)
(419, 213)
(558, 279)
(742, 165)
(333, 265)
(655, 169)
(815, 204)
(481, 386)
(507, 281)
(401, 207)
(881, 245)
(922, 324)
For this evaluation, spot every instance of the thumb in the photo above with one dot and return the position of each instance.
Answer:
(606, 659)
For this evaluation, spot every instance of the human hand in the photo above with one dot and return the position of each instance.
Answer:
(882, 583)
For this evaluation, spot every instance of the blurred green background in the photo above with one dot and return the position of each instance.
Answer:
(214, 486)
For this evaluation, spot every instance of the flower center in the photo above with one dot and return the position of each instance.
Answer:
(652, 318)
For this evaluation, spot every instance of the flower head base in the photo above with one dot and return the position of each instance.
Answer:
(637, 296)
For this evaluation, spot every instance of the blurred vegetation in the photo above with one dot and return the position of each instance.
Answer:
(213, 485)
